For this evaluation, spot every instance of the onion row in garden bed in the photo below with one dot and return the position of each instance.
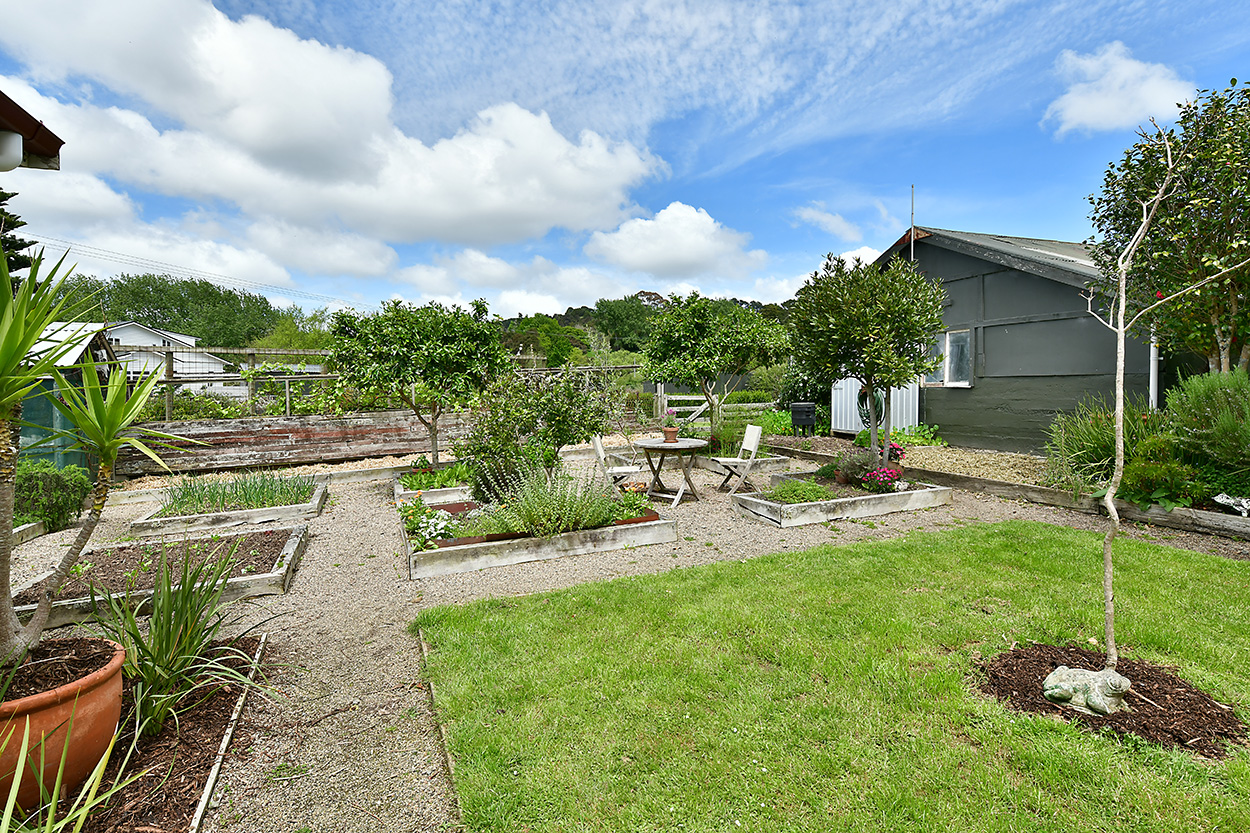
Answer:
(254, 490)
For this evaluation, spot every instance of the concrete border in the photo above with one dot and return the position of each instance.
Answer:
(274, 582)
(452, 494)
(210, 785)
(150, 524)
(763, 465)
(1190, 520)
(757, 508)
(449, 766)
(463, 558)
(28, 532)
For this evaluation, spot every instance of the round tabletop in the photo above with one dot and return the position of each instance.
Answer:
(682, 444)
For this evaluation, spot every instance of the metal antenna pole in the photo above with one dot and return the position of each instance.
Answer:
(912, 236)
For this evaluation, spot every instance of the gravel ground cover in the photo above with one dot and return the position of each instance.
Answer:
(346, 741)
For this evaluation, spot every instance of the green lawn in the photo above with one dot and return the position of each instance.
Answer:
(834, 689)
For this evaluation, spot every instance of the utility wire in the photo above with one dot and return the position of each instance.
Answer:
(186, 271)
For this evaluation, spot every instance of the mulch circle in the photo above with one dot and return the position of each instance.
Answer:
(134, 566)
(1166, 709)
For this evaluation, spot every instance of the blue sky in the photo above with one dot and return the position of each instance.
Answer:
(546, 155)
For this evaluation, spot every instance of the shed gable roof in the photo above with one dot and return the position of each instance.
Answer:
(1058, 260)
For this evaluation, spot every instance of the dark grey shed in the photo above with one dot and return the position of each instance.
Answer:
(1019, 341)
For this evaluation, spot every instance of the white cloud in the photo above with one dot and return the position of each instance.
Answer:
(514, 302)
(865, 253)
(320, 251)
(834, 224)
(682, 241)
(1111, 90)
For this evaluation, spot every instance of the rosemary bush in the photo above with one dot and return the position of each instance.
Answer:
(253, 490)
(536, 503)
(1210, 415)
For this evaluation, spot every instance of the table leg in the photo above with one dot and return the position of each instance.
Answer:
(657, 485)
(685, 471)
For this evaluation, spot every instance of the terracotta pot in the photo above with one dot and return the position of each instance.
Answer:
(94, 703)
(841, 479)
(670, 435)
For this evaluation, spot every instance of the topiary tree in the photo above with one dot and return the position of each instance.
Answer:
(1199, 229)
(697, 340)
(861, 321)
(432, 358)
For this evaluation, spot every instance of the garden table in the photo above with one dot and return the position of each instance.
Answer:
(656, 450)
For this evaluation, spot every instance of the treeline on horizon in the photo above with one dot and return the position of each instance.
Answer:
(222, 317)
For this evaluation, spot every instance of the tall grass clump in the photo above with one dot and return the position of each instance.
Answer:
(1080, 445)
(253, 490)
(535, 502)
(174, 663)
(1210, 416)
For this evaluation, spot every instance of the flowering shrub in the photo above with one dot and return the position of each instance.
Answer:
(881, 480)
(670, 418)
(896, 451)
(425, 525)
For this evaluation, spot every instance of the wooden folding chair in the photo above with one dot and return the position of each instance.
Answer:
(618, 474)
(740, 466)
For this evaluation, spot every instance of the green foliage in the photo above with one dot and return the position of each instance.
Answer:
(798, 491)
(425, 524)
(1210, 416)
(190, 404)
(432, 358)
(626, 321)
(1198, 231)
(1080, 445)
(172, 662)
(219, 317)
(298, 330)
(857, 462)
(799, 385)
(748, 397)
(11, 244)
(696, 340)
(46, 493)
(1215, 479)
(250, 490)
(828, 471)
(1168, 483)
(770, 379)
(456, 474)
(527, 418)
(557, 343)
(774, 421)
(534, 502)
(861, 321)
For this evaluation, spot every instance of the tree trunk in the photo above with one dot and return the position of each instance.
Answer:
(9, 626)
(1244, 361)
(431, 427)
(30, 634)
(886, 428)
(873, 445)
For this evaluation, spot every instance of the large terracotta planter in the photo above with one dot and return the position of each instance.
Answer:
(94, 703)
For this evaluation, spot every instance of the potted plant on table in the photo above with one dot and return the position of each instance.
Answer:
(103, 414)
(670, 426)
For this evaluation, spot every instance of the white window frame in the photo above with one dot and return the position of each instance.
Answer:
(945, 341)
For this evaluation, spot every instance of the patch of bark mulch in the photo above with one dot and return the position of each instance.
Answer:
(178, 760)
(134, 566)
(1165, 709)
(53, 663)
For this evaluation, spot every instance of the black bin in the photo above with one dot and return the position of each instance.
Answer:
(803, 418)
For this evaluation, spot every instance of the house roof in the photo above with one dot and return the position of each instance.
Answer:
(1061, 261)
(58, 331)
(181, 338)
(41, 147)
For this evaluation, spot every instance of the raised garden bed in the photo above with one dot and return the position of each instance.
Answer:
(150, 524)
(763, 465)
(460, 555)
(265, 563)
(28, 532)
(755, 506)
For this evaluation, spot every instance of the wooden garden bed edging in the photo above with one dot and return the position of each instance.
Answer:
(754, 506)
(463, 558)
(430, 497)
(206, 797)
(276, 581)
(122, 498)
(1190, 520)
(28, 532)
(216, 520)
(763, 465)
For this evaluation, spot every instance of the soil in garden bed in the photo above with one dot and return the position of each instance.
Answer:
(1165, 709)
(179, 759)
(134, 566)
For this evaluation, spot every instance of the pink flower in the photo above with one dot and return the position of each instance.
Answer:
(1159, 295)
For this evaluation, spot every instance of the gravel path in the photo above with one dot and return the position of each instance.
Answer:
(347, 742)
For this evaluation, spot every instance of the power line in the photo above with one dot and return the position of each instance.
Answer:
(186, 271)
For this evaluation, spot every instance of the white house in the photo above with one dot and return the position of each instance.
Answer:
(201, 366)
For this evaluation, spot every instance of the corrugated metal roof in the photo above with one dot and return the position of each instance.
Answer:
(1058, 260)
(58, 331)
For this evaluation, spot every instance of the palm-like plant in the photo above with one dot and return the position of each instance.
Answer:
(103, 413)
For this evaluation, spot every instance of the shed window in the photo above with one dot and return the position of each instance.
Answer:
(955, 371)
